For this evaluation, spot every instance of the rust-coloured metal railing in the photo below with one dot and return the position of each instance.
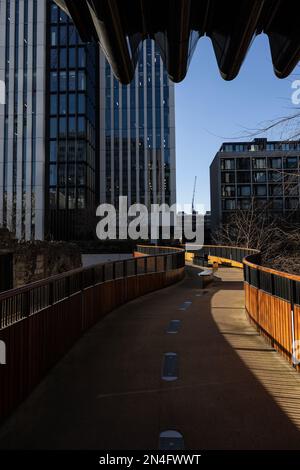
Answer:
(41, 321)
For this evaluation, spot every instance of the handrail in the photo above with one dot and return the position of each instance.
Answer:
(21, 302)
(272, 299)
(41, 321)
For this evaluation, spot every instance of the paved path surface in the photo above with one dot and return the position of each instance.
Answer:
(232, 392)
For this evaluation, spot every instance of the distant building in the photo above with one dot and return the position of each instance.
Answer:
(70, 135)
(137, 125)
(267, 171)
(207, 228)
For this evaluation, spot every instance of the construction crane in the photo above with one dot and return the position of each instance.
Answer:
(193, 199)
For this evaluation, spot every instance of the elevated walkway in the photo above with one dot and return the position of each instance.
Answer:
(233, 391)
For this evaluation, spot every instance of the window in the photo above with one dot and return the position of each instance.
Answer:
(228, 191)
(72, 57)
(52, 198)
(72, 98)
(81, 198)
(53, 36)
(81, 103)
(243, 163)
(54, 11)
(228, 148)
(63, 36)
(62, 126)
(292, 203)
(53, 151)
(63, 104)
(292, 189)
(53, 58)
(71, 174)
(240, 148)
(63, 81)
(81, 125)
(277, 204)
(72, 35)
(270, 147)
(228, 177)
(243, 177)
(260, 190)
(81, 174)
(243, 204)
(244, 190)
(72, 126)
(72, 80)
(62, 198)
(72, 198)
(275, 176)
(63, 58)
(81, 80)
(229, 204)
(53, 127)
(61, 174)
(259, 163)
(81, 151)
(53, 176)
(276, 190)
(81, 57)
(53, 81)
(53, 104)
(62, 151)
(291, 162)
(275, 163)
(227, 164)
(259, 176)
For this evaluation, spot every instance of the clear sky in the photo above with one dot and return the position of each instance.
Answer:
(210, 110)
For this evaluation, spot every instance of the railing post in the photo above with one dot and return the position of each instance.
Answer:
(294, 346)
(67, 288)
(51, 293)
(26, 303)
(135, 266)
(125, 267)
(114, 270)
(155, 264)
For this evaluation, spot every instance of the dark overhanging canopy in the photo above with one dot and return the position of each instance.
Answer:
(176, 26)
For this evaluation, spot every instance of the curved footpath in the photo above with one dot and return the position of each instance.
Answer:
(233, 391)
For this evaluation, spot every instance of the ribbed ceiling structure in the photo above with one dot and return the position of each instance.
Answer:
(176, 26)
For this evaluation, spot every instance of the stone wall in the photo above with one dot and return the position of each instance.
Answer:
(35, 260)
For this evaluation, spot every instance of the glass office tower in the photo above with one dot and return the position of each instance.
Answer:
(72, 130)
(22, 130)
(137, 150)
(70, 135)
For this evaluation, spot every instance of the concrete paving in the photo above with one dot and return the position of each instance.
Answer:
(233, 391)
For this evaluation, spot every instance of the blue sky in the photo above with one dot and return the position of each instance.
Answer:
(210, 110)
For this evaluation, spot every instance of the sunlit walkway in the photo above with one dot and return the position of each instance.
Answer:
(232, 391)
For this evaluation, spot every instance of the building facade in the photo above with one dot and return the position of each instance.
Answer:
(22, 118)
(265, 171)
(137, 122)
(70, 135)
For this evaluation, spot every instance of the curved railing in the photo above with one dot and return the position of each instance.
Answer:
(272, 300)
(272, 297)
(41, 321)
